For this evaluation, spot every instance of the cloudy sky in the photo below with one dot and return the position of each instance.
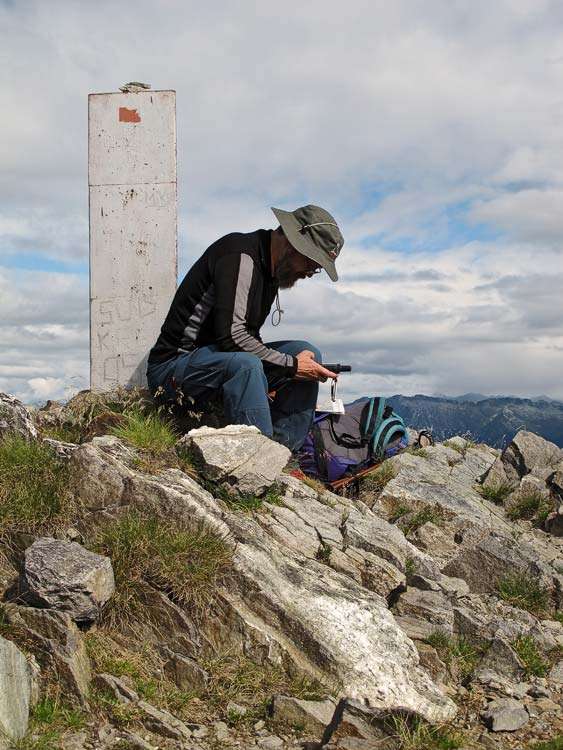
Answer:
(431, 129)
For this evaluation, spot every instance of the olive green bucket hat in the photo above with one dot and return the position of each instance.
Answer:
(313, 232)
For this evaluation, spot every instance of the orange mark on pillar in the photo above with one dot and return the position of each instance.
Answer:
(128, 115)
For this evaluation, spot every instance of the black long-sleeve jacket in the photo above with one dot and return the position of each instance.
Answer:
(224, 299)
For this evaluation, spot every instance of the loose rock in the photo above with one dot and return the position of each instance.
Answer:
(162, 722)
(270, 743)
(15, 418)
(505, 715)
(239, 455)
(66, 577)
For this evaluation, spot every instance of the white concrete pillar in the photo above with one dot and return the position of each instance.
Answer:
(133, 245)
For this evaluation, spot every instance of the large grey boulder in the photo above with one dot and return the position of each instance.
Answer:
(284, 603)
(15, 693)
(239, 455)
(15, 418)
(64, 576)
(529, 453)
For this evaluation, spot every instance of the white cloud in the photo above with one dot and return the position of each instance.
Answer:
(45, 388)
(416, 123)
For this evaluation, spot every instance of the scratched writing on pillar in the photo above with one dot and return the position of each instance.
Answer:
(113, 311)
(154, 196)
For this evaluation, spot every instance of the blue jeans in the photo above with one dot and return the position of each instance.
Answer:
(244, 381)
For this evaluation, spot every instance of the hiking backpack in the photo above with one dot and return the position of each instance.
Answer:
(339, 445)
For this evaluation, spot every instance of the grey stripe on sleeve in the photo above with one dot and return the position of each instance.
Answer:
(239, 331)
(199, 314)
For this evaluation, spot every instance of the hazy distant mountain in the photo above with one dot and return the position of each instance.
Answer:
(474, 397)
(492, 420)
(481, 397)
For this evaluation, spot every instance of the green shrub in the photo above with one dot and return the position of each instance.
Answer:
(528, 506)
(529, 653)
(186, 563)
(524, 591)
(496, 493)
(34, 494)
(148, 432)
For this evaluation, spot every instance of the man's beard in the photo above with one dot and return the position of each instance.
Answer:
(285, 273)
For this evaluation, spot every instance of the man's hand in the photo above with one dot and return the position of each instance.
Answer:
(309, 369)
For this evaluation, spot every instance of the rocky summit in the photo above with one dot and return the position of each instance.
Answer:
(174, 585)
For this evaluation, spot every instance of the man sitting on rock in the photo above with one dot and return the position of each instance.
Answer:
(210, 341)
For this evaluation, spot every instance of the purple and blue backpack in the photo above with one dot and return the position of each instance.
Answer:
(340, 445)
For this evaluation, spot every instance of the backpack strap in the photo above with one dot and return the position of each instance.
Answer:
(388, 427)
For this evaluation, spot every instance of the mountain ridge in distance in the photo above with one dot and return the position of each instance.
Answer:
(493, 419)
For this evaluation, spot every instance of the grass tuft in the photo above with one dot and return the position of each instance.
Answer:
(529, 506)
(459, 654)
(50, 720)
(323, 552)
(554, 744)
(65, 433)
(34, 494)
(186, 563)
(524, 591)
(314, 484)
(435, 515)
(232, 677)
(235, 678)
(420, 452)
(148, 432)
(496, 493)
(528, 651)
(376, 480)
(243, 501)
(398, 511)
(410, 567)
(416, 734)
